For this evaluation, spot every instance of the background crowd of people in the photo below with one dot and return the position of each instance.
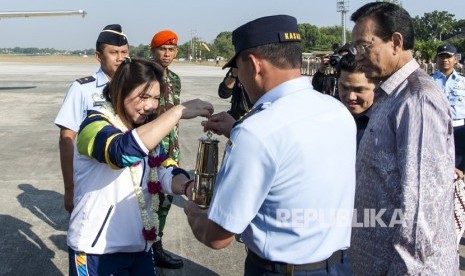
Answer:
(312, 66)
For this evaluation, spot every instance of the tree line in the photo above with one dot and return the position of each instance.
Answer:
(431, 30)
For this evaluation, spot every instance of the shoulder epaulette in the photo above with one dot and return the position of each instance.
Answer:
(86, 80)
(248, 114)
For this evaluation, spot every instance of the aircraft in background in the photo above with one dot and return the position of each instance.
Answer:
(15, 14)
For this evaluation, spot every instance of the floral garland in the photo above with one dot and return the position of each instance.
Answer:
(150, 224)
(150, 229)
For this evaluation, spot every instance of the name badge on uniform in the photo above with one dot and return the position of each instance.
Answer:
(98, 99)
(460, 85)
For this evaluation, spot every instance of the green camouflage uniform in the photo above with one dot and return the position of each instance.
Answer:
(170, 96)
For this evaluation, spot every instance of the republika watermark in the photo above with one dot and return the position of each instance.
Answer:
(295, 218)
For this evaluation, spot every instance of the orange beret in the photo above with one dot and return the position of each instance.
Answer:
(165, 37)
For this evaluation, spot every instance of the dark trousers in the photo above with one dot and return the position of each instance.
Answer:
(459, 142)
(341, 268)
(121, 264)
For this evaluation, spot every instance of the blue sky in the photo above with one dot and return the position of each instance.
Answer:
(141, 19)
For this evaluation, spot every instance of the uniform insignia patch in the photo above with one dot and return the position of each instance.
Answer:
(86, 80)
(227, 149)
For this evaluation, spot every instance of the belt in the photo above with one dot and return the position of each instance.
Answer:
(456, 123)
(288, 269)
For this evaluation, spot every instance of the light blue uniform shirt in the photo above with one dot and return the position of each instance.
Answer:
(79, 99)
(454, 90)
(288, 176)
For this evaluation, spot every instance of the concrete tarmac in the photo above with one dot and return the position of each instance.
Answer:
(33, 221)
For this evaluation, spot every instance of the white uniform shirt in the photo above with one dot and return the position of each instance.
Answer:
(79, 99)
(287, 181)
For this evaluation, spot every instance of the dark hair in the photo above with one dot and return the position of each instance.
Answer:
(349, 64)
(130, 74)
(282, 55)
(99, 46)
(389, 18)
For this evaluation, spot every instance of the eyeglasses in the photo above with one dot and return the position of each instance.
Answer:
(361, 48)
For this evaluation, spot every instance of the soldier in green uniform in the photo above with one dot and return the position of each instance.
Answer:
(164, 49)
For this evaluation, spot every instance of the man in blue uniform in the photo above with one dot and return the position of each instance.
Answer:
(276, 185)
(84, 94)
(453, 86)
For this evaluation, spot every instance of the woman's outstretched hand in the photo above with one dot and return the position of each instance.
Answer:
(195, 108)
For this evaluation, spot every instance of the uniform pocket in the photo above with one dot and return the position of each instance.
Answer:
(457, 97)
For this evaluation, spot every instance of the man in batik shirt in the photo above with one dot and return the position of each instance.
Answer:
(164, 49)
(405, 161)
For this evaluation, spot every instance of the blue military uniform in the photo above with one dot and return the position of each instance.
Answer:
(276, 184)
(83, 95)
(453, 87)
(454, 90)
(285, 160)
(86, 93)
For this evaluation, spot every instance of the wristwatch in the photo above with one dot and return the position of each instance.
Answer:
(177, 171)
